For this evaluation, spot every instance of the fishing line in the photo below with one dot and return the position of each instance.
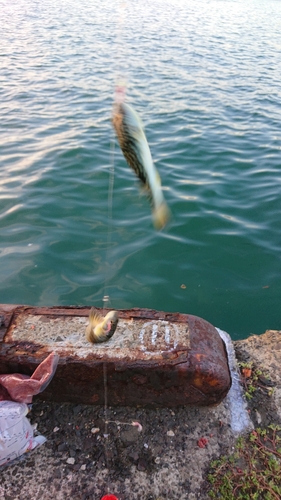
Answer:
(119, 93)
(106, 425)
(106, 297)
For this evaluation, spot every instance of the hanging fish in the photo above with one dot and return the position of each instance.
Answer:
(132, 140)
(101, 329)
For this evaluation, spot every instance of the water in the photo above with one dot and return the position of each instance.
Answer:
(205, 78)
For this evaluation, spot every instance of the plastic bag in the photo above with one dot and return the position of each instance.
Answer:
(16, 432)
(21, 388)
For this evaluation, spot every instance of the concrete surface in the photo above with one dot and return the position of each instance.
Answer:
(84, 459)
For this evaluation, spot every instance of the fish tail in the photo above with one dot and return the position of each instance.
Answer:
(94, 317)
(95, 334)
(98, 333)
(161, 215)
(90, 336)
(93, 331)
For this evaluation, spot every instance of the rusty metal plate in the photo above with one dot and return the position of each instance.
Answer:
(153, 359)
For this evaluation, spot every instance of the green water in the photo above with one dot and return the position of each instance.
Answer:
(205, 78)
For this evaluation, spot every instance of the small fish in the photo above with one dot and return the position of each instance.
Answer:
(132, 140)
(101, 329)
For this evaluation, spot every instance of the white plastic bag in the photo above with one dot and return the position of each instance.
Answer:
(16, 432)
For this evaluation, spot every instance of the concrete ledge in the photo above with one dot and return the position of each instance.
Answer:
(169, 459)
(153, 359)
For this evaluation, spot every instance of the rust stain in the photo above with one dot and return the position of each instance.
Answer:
(200, 356)
(198, 381)
(155, 358)
(139, 379)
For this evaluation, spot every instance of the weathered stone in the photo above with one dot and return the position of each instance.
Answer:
(129, 436)
(265, 352)
(153, 359)
(142, 465)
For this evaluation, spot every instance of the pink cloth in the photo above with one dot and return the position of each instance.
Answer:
(21, 388)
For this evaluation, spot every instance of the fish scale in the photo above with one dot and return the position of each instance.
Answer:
(133, 143)
(129, 148)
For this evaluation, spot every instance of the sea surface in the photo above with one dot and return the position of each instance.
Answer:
(205, 77)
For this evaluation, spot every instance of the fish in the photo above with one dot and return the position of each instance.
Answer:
(101, 328)
(133, 143)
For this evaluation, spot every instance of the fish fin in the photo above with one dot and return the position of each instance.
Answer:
(95, 334)
(161, 215)
(90, 333)
(158, 178)
(95, 317)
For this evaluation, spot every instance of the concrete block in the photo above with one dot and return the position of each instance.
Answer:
(154, 358)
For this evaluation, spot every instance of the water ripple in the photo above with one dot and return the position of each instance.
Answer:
(205, 78)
